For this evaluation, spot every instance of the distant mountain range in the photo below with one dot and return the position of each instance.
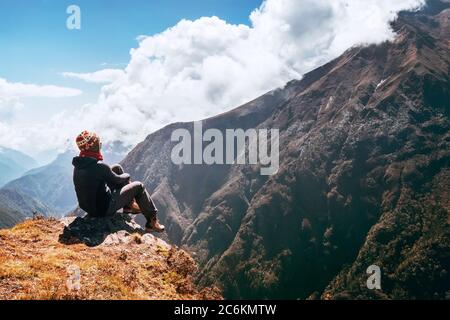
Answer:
(15, 206)
(13, 164)
(52, 184)
(364, 178)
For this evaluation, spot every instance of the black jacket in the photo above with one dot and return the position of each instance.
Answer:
(93, 182)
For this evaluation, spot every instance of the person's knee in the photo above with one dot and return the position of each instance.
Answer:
(117, 169)
(139, 186)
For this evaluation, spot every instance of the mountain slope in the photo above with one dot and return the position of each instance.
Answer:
(39, 257)
(363, 179)
(16, 207)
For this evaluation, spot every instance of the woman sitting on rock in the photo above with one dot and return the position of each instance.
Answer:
(103, 190)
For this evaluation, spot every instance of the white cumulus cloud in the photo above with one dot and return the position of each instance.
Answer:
(22, 90)
(9, 106)
(12, 92)
(203, 67)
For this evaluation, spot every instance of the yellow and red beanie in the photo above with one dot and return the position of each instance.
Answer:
(88, 141)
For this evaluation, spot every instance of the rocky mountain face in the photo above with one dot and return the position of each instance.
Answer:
(364, 178)
(93, 259)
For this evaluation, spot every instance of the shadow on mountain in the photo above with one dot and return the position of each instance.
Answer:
(93, 231)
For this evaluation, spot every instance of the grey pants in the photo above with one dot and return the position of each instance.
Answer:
(123, 195)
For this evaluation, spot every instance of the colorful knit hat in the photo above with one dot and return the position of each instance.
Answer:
(88, 141)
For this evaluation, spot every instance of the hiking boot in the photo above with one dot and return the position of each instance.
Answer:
(133, 208)
(154, 225)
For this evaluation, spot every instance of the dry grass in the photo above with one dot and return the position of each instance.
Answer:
(34, 265)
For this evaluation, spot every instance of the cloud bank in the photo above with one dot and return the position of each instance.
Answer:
(200, 68)
(22, 90)
(12, 92)
(101, 76)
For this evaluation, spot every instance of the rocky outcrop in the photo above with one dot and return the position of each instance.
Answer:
(88, 258)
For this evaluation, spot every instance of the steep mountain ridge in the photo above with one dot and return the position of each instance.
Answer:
(364, 155)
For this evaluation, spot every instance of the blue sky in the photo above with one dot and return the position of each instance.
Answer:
(36, 46)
